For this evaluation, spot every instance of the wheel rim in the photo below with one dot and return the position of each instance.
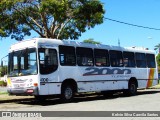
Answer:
(68, 93)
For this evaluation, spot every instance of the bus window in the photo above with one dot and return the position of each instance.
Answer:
(67, 55)
(129, 59)
(15, 63)
(116, 58)
(150, 60)
(84, 56)
(23, 62)
(101, 57)
(47, 60)
(140, 60)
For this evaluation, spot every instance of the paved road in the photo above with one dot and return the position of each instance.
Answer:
(146, 100)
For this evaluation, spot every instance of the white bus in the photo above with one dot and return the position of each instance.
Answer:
(42, 67)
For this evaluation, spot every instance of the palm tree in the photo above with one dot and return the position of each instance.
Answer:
(157, 47)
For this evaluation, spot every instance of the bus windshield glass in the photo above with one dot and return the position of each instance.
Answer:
(23, 62)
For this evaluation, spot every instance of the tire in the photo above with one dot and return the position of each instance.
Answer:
(132, 89)
(67, 93)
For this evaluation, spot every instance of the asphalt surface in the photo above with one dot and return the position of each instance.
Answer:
(145, 100)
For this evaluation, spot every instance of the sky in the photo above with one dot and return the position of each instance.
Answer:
(138, 12)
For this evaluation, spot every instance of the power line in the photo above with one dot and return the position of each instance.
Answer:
(132, 24)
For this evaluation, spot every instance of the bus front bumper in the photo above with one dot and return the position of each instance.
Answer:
(23, 91)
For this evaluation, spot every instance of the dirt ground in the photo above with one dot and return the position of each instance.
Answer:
(12, 102)
(12, 97)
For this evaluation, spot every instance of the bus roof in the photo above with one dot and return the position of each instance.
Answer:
(35, 42)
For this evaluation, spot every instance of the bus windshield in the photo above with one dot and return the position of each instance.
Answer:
(22, 62)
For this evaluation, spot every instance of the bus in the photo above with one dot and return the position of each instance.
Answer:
(44, 67)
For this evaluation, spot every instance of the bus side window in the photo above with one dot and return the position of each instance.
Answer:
(101, 57)
(140, 60)
(129, 59)
(116, 58)
(67, 55)
(151, 60)
(84, 56)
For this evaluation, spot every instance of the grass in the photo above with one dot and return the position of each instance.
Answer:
(2, 83)
(156, 87)
(6, 97)
(3, 92)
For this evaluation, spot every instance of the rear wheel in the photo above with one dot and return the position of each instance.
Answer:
(132, 89)
(67, 93)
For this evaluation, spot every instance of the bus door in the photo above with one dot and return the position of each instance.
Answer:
(48, 64)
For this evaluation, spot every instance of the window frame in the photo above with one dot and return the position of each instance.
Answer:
(147, 60)
(121, 63)
(129, 60)
(66, 55)
(140, 60)
(84, 51)
(52, 67)
(106, 55)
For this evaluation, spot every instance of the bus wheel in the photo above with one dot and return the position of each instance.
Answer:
(67, 93)
(132, 89)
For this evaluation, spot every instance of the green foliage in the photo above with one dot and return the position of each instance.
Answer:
(2, 83)
(158, 59)
(92, 41)
(3, 71)
(61, 19)
(158, 62)
(157, 47)
(2, 93)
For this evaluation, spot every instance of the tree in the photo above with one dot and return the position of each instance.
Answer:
(61, 19)
(158, 62)
(92, 41)
(157, 47)
(3, 71)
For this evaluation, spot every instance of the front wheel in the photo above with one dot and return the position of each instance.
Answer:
(67, 93)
